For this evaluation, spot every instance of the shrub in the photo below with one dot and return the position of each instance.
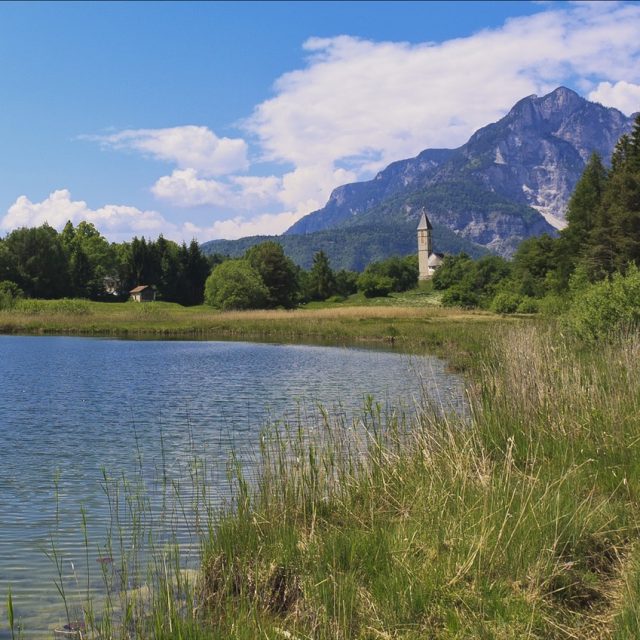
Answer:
(506, 302)
(460, 296)
(553, 305)
(607, 307)
(10, 292)
(235, 284)
(374, 285)
(528, 305)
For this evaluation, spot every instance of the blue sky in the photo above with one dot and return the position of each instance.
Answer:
(233, 118)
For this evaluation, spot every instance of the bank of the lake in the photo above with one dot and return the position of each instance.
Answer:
(417, 328)
(523, 523)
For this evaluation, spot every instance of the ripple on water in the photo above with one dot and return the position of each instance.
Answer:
(73, 410)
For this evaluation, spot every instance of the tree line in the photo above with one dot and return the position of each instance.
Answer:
(39, 262)
(266, 278)
(601, 243)
(78, 262)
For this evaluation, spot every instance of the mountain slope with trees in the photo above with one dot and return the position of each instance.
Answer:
(485, 196)
(531, 159)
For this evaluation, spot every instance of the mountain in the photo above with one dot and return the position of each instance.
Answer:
(510, 181)
(350, 248)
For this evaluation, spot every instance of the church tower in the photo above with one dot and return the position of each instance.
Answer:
(424, 247)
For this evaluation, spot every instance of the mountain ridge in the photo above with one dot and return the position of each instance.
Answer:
(533, 156)
(511, 180)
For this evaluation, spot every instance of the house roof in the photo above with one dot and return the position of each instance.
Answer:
(140, 288)
(424, 222)
(435, 259)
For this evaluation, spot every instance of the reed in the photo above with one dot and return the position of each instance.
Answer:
(517, 521)
(518, 518)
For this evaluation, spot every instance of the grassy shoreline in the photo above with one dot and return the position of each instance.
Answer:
(452, 333)
(522, 524)
(518, 520)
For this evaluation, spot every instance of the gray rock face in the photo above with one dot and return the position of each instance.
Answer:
(517, 174)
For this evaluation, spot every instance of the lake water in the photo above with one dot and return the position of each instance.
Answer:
(80, 415)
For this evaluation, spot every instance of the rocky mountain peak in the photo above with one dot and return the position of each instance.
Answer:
(527, 162)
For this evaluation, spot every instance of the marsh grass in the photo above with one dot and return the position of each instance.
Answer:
(517, 518)
(519, 523)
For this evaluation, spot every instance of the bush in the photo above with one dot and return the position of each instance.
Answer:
(506, 302)
(528, 305)
(460, 296)
(553, 305)
(10, 292)
(235, 284)
(374, 285)
(607, 307)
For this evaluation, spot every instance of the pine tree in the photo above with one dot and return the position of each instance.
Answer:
(614, 241)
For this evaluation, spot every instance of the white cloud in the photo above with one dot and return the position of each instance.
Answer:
(365, 104)
(621, 95)
(121, 222)
(188, 147)
(117, 222)
(240, 227)
(186, 189)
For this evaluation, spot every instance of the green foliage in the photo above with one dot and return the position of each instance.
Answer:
(320, 283)
(469, 283)
(506, 302)
(235, 284)
(614, 238)
(392, 274)
(10, 293)
(38, 263)
(453, 271)
(278, 273)
(460, 296)
(605, 308)
(346, 282)
(375, 285)
(528, 305)
(533, 263)
(582, 210)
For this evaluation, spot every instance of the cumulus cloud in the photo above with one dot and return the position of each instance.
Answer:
(118, 222)
(367, 103)
(621, 95)
(189, 147)
(185, 188)
(121, 222)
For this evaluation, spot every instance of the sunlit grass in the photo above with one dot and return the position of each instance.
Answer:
(517, 519)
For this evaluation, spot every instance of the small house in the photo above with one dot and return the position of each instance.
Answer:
(143, 293)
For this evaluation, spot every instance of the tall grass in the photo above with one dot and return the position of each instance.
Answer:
(516, 524)
(515, 519)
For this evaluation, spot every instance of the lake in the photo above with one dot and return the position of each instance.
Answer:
(80, 415)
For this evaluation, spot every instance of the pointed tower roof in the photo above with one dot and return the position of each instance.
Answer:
(424, 222)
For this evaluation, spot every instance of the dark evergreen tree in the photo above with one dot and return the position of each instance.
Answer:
(278, 273)
(321, 281)
(196, 269)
